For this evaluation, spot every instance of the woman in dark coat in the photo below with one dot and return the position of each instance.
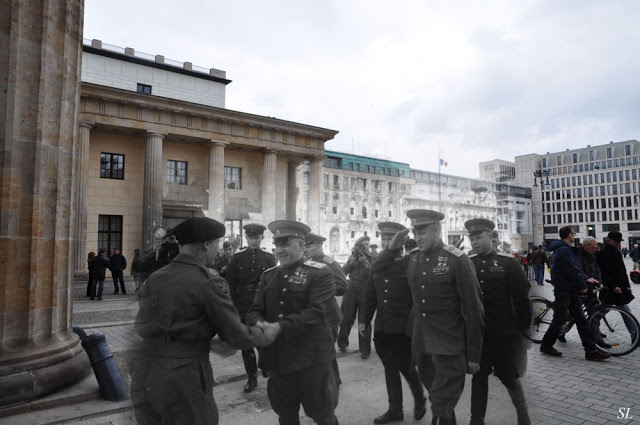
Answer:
(91, 287)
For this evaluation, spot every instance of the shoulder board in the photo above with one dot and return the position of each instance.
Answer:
(328, 259)
(504, 254)
(266, 251)
(271, 269)
(241, 250)
(473, 255)
(315, 264)
(416, 249)
(455, 251)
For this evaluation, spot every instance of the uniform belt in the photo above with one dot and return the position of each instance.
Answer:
(175, 349)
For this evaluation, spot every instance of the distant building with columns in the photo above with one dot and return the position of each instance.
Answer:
(158, 147)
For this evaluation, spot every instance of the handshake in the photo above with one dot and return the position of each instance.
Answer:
(268, 334)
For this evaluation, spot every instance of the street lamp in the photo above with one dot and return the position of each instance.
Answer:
(539, 174)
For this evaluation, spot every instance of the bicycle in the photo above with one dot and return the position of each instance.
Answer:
(615, 320)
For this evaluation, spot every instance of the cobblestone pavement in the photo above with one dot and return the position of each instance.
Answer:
(563, 390)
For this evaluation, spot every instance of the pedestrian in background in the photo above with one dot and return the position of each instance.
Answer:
(357, 268)
(224, 258)
(539, 261)
(91, 287)
(448, 314)
(388, 297)
(117, 264)
(137, 276)
(507, 309)
(635, 256)
(99, 265)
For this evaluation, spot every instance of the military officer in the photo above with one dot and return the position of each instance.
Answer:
(388, 293)
(243, 274)
(449, 318)
(505, 294)
(358, 267)
(295, 296)
(182, 307)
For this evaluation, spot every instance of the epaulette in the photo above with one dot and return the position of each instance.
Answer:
(473, 255)
(455, 251)
(328, 259)
(243, 249)
(271, 269)
(504, 254)
(265, 250)
(315, 264)
(414, 250)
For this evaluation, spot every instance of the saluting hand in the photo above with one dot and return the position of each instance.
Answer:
(398, 240)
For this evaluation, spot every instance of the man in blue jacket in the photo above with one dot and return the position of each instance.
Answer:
(568, 282)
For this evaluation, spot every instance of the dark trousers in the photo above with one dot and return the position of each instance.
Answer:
(100, 288)
(91, 286)
(250, 362)
(314, 388)
(443, 377)
(498, 356)
(538, 271)
(118, 277)
(568, 302)
(351, 302)
(394, 351)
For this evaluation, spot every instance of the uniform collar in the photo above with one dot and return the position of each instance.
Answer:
(293, 266)
(436, 248)
(189, 259)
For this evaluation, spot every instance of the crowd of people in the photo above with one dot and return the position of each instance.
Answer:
(437, 312)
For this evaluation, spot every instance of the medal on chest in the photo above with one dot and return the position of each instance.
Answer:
(442, 266)
(495, 267)
(299, 276)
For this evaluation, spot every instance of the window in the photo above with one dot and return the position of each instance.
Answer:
(109, 232)
(335, 210)
(575, 158)
(559, 160)
(356, 167)
(591, 157)
(364, 212)
(176, 172)
(351, 211)
(331, 162)
(627, 150)
(233, 178)
(389, 213)
(305, 178)
(143, 88)
(609, 152)
(544, 162)
(111, 166)
(336, 182)
(353, 234)
(233, 232)
(375, 213)
(325, 181)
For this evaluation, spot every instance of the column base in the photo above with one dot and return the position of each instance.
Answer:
(27, 385)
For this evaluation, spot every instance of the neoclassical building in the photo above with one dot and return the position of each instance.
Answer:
(158, 146)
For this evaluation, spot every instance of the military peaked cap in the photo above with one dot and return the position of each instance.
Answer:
(284, 229)
(479, 225)
(421, 218)
(390, 228)
(198, 229)
(313, 238)
(254, 229)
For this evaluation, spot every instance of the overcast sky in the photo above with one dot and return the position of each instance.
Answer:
(481, 79)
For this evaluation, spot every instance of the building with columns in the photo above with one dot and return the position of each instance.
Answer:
(158, 147)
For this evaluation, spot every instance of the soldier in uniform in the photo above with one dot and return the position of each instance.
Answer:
(243, 274)
(505, 292)
(449, 318)
(357, 268)
(182, 307)
(295, 296)
(388, 293)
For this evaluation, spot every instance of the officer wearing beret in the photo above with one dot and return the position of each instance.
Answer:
(449, 318)
(358, 267)
(505, 295)
(182, 307)
(295, 296)
(388, 293)
(243, 275)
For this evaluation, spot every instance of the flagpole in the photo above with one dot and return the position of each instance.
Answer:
(439, 179)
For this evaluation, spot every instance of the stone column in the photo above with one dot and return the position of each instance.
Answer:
(80, 181)
(153, 184)
(40, 80)
(269, 186)
(315, 183)
(216, 180)
(292, 190)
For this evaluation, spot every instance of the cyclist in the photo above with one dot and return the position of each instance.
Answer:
(568, 282)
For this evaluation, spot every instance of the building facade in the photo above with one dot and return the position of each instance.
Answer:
(157, 146)
(595, 189)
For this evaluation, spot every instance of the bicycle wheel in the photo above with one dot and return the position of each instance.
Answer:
(620, 329)
(542, 311)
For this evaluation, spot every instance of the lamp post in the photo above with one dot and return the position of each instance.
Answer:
(539, 174)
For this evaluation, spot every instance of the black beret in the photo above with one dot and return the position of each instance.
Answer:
(254, 229)
(198, 229)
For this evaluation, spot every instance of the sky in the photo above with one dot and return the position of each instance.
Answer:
(409, 80)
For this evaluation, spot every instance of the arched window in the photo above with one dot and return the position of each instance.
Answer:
(364, 212)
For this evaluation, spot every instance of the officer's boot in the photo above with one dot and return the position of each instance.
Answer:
(417, 390)
(479, 396)
(394, 394)
(251, 367)
(517, 397)
(443, 420)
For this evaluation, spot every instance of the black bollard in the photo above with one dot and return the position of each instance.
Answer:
(112, 386)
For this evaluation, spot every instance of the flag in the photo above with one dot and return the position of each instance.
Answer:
(443, 162)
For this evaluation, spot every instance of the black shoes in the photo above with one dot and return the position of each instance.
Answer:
(388, 417)
(365, 356)
(561, 338)
(596, 355)
(343, 349)
(251, 384)
(420, 409)
(115, 292)
(265, 373)
(603, 344)
(550, 351)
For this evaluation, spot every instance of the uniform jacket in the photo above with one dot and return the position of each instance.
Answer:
(357, 268)
(117, 263)
(614, 273)
(388, 293)
(447, 304)
(243, 274)
(334, 314)
(184, 304)
(296, 296)
(566, 274)
(100, 264)
(505, 293)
